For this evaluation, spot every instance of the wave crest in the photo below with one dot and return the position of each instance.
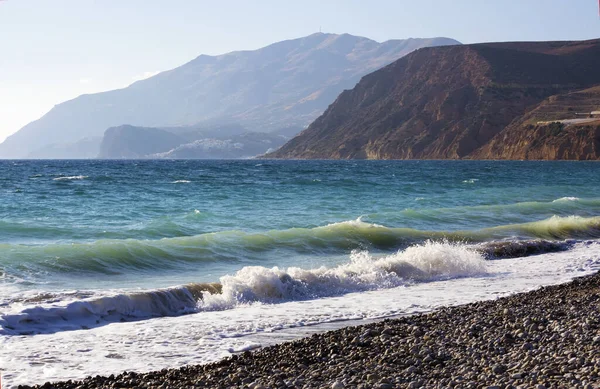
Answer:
(125, 256)
(70, 178)
(425, 262)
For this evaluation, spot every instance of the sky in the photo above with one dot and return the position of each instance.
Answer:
(55, 50)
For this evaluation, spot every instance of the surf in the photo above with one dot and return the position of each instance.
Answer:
(426, 262)
(113, 257)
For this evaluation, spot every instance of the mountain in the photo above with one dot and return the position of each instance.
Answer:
(246, 145)
(136, 142)
(451, 102)
(286, 84)
(227, 141)
(86, 148)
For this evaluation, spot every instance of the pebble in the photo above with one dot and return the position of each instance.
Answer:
(337, 385)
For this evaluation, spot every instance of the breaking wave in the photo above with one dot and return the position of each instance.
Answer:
(566, 199)
(426, 262)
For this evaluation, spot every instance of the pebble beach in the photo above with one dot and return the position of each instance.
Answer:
(547, 338)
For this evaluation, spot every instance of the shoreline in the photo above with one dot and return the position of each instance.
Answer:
(546, 338)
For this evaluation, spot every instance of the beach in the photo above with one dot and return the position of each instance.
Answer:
(547, 338)
(286, 208)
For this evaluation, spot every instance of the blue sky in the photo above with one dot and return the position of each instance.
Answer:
(55, 50)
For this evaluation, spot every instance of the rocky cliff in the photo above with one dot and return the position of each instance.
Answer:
(454, 102)
(537, 134)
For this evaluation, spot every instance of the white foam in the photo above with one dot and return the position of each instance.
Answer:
(470, 181)
(421, 263)
(426, 262)
(70, 178)
(358, 222)
(566, 199)
(244, 347)
(181, 182)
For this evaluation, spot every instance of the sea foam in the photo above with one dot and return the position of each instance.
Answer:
(425, 262)
(566, 199)
(70, 178)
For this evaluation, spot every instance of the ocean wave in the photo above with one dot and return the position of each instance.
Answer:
(558, 206)
(181, 182)
(124, 256)
(566, 199)
(559, 227)
(426, 262)
(70, 178)
(93, 312)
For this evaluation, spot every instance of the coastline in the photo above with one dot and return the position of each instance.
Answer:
(549, 337)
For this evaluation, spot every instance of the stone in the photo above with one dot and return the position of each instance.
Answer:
(498, 369)
(337, 385)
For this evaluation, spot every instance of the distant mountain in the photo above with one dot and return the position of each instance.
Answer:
(287, 84)
(246, 145)
(136, 142)
(129, 142)
(473, 101)
(86, 148)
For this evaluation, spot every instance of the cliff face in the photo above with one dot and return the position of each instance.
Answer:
(534, 136)
(547, 142)
(446, 102)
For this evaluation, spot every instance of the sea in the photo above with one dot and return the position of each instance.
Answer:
(108, 266)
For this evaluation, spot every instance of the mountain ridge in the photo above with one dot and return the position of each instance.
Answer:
(287, 83)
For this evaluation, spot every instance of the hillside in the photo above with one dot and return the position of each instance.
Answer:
(447, 102)
(532, 137)
(227, 142)
(136, 142)
(286, 84)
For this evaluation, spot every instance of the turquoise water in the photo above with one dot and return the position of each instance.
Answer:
(100, 224)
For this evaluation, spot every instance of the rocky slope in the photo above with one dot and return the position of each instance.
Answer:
(288, 83)
(536, 136)
(451, 102)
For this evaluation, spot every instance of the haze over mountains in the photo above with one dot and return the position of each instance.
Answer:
(481, 101)
(281, 87)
